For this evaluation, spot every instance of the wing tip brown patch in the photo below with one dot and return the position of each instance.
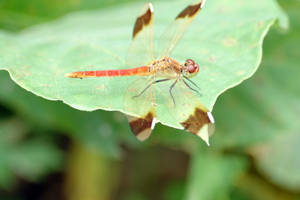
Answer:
(197, 120)
(143, 20)
(142, 125)
(191, 10)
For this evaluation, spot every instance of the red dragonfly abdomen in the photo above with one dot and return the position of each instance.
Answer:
(139, 71)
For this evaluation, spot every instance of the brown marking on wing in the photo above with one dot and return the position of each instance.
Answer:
(142, 20)
(140, 125)
(196, 121)
(189, 11)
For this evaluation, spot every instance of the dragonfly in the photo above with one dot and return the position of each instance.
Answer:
(142, 98)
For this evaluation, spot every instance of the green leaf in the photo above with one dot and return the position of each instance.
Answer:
(279, 160)
(267, 105)
(211, 175)
(267, 109)
(29, 158)
(225, 39)
(16, 15)
(94, 129)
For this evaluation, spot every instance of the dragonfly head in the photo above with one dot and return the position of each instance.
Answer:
(190, 68)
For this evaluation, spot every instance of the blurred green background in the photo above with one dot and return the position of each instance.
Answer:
(51, 151)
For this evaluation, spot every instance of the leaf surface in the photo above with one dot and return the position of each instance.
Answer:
(225, 39)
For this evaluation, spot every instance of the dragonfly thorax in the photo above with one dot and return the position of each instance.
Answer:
(170, 68)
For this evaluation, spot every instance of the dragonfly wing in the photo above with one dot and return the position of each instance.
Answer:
(140, 107)
(173, 34)
(141, 126)
(188, 111)
(141, 48)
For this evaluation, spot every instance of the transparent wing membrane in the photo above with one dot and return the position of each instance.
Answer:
(172, 98)
(141, 49)
(173, 34)
(140, 105)
(187, 110)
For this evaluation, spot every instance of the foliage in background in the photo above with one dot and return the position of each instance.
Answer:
(257, 119)
(16, 15)
(28, 158)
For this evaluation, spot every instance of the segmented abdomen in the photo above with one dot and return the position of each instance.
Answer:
(139, 71)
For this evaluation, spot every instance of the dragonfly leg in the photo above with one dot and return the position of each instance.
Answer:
(191, 87)
(192, 82)
(148, 86)
(170, 90)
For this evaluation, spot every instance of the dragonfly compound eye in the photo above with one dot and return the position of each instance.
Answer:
(189, 62)
(192, 67)
(196, 68)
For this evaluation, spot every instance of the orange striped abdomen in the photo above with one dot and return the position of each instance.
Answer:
(139, 71)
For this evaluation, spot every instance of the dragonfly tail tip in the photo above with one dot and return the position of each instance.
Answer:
(70, 75)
